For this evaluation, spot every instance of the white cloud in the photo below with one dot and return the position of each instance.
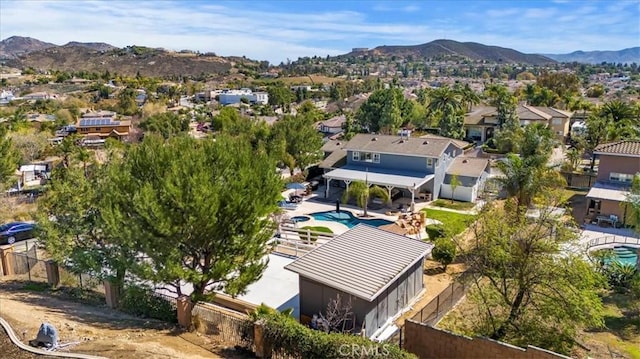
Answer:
(276, 35)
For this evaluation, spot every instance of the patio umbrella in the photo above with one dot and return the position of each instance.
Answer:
(296, 186)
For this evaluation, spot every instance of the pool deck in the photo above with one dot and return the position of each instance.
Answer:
(316, 203)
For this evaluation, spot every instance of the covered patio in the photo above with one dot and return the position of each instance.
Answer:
(411, 181)
(606, 205)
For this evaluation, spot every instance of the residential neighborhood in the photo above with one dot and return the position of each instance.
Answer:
(442, 200)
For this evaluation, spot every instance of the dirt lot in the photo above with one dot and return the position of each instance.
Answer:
(9, 350)
(100, 330)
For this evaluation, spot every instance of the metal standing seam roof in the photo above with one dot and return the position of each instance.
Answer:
(363, 261)
(413, 146)
(396, 179)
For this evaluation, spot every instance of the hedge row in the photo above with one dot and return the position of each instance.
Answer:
(287, 336)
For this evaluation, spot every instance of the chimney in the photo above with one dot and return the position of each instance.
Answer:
(425, 142)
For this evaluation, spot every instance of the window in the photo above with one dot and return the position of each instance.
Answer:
(366, 156)
(356, 156)
(98, 129)
(557, 121)
(620, 177)
(429, 162)
(376, 157)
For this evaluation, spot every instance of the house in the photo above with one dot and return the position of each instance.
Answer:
(332, 125)
(103, 124)
(415, 166)
(230, 97)
(380, 273)
(471, 174)
(37, 96)
(560, 122)
(619, 163)
(334, 155)
(35, 174)
(482, 122)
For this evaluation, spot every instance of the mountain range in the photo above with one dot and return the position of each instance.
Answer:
(446, 48)
(21, 52)
(629, 55)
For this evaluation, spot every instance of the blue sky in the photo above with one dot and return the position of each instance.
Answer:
(278, 30)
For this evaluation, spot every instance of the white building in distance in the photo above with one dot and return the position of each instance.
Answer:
(229, 97)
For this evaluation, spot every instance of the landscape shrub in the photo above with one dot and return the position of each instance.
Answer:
(288, 337)
(142, 302)
(444, 251)
(435, 231)
(314, 237)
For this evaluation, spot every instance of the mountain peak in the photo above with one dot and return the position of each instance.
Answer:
(14, 46)
(471, 50)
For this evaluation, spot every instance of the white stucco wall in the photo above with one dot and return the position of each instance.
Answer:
(465, 194)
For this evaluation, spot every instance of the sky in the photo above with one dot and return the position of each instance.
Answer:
(278, 30)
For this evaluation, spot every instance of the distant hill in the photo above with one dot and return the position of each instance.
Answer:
(98, 46)
(445, 48)
(22, 52)
(14, 46)
(629, 55)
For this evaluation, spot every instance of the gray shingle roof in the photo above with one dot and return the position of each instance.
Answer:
(430, 147)
(624, 147)
(332, 145)
(363, 261)
(468, 166)
(337, 158)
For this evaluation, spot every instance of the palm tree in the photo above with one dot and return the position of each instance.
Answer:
(468, 96)
(618, 110)
(363, 192)
(447, 102)
(523, 181)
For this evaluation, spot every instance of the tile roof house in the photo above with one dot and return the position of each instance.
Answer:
(379, 272)
(416, 166)
(619, 162)
(481, 122)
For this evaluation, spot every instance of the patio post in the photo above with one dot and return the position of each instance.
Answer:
(389, 188)
(413, 197)
(326, 190)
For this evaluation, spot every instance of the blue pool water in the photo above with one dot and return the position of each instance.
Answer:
(626, 255)
(347, 218)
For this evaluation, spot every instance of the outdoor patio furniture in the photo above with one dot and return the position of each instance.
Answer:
(288, 205)
(294, 198)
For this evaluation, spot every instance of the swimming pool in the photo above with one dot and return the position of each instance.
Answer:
(625, 255)
(348, 219)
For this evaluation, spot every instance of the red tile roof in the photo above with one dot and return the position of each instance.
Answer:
(625, 147)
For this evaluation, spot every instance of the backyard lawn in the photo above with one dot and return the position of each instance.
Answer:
(446, 203)
(454, 223)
